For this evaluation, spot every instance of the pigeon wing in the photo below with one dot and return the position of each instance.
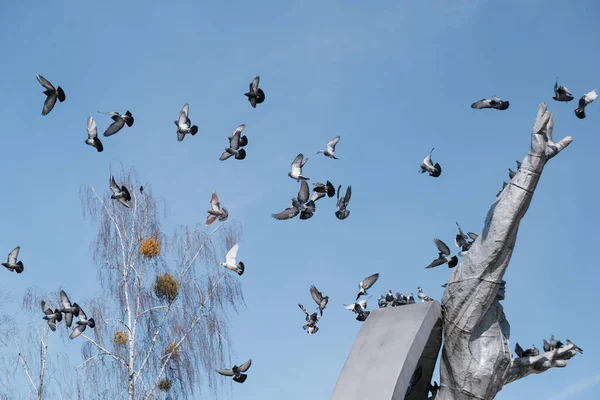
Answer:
(214, 202)
(254, 84)
(369, 281)
(82, 316)
(438, 261)
(225, 372)
(182, 120)
(483, 103)
(114, 127)
(316, 295)
(12, 256)
(47, 310)
(288, 213)
(348, 194)
(92, 129)
(331, 144)
(304, 193)
(245, 366)
(473, 236)
(234, 142)
(297, 164)
(65, 299)
(77, 331)
(230, 258)
(49, 104)
(239, 129)
(186, 110)
(45, 83)
(210, 219)
(113, 186)
(442, 247)
(225, 156)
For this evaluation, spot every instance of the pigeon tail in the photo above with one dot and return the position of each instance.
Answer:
(194, 130)
(91, 323)
(241, 378)
(580, 113)
(241, 154)
(60, 94)
(241, 268)
(243, 141)
(453, 262)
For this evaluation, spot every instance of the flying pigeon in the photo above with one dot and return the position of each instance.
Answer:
(83, 323)
(330, 152)
(121, 194)
(216, 211)
(12, 264)
(68, 309)
(236, 142)
(583, 103)
(576, 348)
(311, 329)
(255, 94)
(319, 298)
(342, 213)
(461, 240)
(300, 205)
(428, 166)
(92, 132)
(51, 94)
(444, 256)
(494, 102)
(51, 317)
(119, 121)
(310, 318)
(422, 295)
(561, 93)
(358, 308)
(231, 263)
(297, 164)
(184, 125)
(366, 284)
(322, 189)
(236, 371)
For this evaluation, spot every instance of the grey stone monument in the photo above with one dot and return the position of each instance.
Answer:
(476, 358)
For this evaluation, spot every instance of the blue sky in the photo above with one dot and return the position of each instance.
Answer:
(394, 79)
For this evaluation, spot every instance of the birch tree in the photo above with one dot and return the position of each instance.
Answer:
(162, 316)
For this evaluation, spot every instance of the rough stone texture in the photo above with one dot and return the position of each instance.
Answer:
(476, 358)
(388, 348)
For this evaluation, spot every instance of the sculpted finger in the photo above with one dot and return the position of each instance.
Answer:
(564, 142)
(542, 119)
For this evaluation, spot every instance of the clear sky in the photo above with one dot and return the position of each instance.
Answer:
(393, 78)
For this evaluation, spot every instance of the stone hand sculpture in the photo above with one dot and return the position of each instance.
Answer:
(476, 358)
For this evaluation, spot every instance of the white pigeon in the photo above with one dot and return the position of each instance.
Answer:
(330, 152)
(231, 263)
(583, 103)
(297, 164)
(422, 295)
(184, 125)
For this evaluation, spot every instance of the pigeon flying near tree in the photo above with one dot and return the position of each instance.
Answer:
(319, 298)
(83, 323)
(68, 309)
(51, 317)
(119, 121)
(184, 125)
(342, 213)
(494, 102)
(237, 372)
(121, 194)
(583, 103)
(51, 94)
(216, 211)
(11, 263)
(428, 166)
(255, 94)
(330, 152)
(297, 164)
(92, 133)
(366, 284)
(236, 142)
(300, 205)
(321, 190)
(444, 256)
(561, 93)
(231, 263)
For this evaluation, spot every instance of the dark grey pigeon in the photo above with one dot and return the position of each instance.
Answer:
(342, 213)
(518, 164)
(504, 184)
(300, 205)
(366, 284)
(11, 263)
(51, 317)
(546, 345)
(236, 142)
(358, 307)
(321, 190)
(319, 298)
(297, 164)
(511, 174)
(83, 323)
(330, 152)
(561, 93)
(552, 343)
(583, 103)
(495, 102)
(183, 123)
(121, 194)
(51, 94)
(92, 133)
(311, 321)
(444, 256)
(237, 372)
(68, 309)
(255, 94)
(427, 165)
(119, 121)
(461, 240)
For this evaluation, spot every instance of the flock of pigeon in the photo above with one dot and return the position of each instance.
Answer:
(550, 345)
(303, 204)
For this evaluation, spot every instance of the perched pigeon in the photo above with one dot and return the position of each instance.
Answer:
(342, 213)
(119, 121)
(504, 184)
(92, 132)
(461, 240)
(216, 211)
(68, 309)
(552, 343)
(546, 345)
(444, 256)
(576, 348)
(366, 284)
(444, 285)
(12, 264)
(184, 125)
(83, 323)
(236, 371)
(410, 298)
(297, 164)
(561, 93)
(300, 205)
(422, 295)
(494, 102)
(319, 298)
(511, 174)
(330, 152)
(400, 299)
(526, 353)
(434, 389)
(236, 142)
(142, 189)
(255, 94)
(389, 297)
(231, 263)
(518, 164)
(428, 166)
(52, 317)
(583, 103)
(121, 194)
(51, 94)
